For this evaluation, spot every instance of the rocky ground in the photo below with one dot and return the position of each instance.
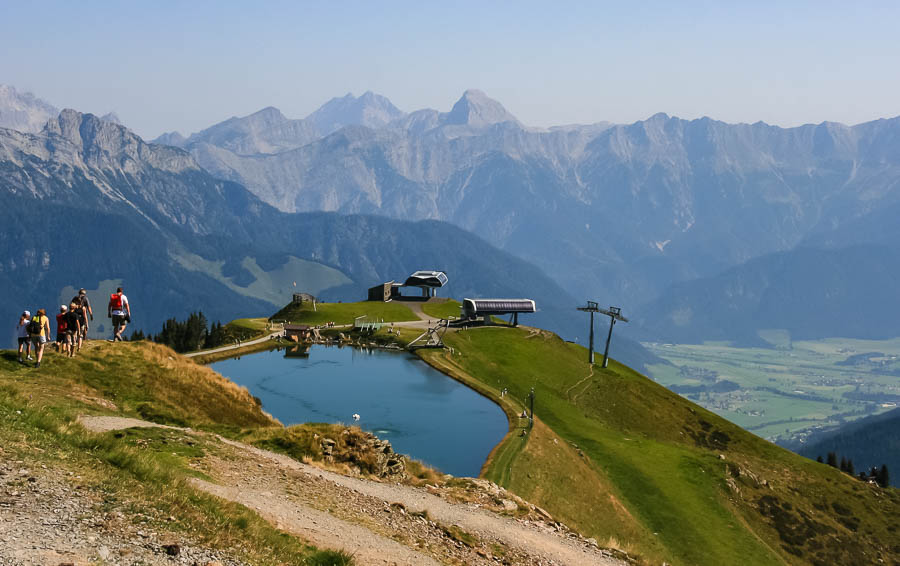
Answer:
(378, 522)
(50, 518)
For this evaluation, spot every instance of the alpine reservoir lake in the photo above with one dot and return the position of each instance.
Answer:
(400, 398)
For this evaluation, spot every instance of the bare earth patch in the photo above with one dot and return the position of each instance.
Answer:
(378, 523)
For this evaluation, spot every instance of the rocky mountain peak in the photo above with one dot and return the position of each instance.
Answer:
(476, 109)
(370, 110)
(171, 138)
(85, 130)
(23, 111)
(269, 114)
(108, 145)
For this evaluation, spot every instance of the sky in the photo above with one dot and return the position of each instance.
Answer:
(164, 65)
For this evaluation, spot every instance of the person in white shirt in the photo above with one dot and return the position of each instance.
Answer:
(23, 337)
(120, 312)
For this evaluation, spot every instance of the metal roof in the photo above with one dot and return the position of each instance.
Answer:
(426, 278)
(476, 307)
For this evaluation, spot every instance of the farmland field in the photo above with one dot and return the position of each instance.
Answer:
(790, 389)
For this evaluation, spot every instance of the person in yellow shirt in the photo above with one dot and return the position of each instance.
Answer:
(39, 330)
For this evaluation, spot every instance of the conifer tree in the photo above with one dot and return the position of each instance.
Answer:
(882, 477)
(831, 459)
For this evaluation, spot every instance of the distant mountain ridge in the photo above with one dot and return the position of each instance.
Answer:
(812, 293)
(23, 111)
(149, 216)
(369, 110)
(870, 442)
(614, 212)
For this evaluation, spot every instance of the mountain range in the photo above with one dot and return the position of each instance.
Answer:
(663, 216)
(89, 203)
(613, 212)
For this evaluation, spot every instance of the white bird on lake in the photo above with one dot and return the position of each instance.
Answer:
(355, 416)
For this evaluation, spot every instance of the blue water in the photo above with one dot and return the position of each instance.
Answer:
(424, 413)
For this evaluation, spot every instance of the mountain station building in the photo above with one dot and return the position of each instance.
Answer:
(428, 281)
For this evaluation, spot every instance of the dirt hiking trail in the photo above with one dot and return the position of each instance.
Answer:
(378, 523)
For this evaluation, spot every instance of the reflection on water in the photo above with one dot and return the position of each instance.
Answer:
(400, 398)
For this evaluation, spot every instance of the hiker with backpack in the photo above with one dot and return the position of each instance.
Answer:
(84, 311)
(39, 332)
(22, 335)
(120, 312)
(78, 308)
(73, 329)
(62, 340)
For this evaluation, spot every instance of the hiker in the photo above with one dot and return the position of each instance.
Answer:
(62, 340)
(39, 331)
(84, 311)
(120, 312)
(22, 334)
(79, 310)
(73, 329)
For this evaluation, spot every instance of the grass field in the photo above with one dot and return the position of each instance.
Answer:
(787, 391)
(445, 309)
(344, 313)
(628, 462)
(613, 454)
(142, 470)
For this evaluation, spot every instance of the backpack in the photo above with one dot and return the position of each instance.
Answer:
(35, 326)
(115, 302)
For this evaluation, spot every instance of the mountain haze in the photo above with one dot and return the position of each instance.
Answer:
(23, 111)
(149, 216)
(370, 110)
(812, 293)
(613, 212)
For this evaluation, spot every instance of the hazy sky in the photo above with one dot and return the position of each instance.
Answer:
(185, 65)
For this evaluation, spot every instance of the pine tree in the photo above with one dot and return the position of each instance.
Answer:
(831, 459)
(883, 477)
(843, 466)
(819, 459)
(850, 469)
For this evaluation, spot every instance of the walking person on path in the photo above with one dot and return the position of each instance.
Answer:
(62, 339)
(39, 331)
(78, 308)
(73, 329)
(22, 335)
(120, 312)
(81, 299)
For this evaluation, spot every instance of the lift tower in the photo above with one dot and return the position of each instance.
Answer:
(591, 307)
(614, 314)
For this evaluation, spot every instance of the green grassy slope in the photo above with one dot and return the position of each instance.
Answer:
(444, 309)
(629, 462)
(344, 313)
(142, 472)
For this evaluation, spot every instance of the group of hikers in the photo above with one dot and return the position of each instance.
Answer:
(72, 324)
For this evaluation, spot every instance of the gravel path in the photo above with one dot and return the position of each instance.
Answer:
(106, 424)
(380, 523)
(530, 538)
(320, 527)
(49, 518)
